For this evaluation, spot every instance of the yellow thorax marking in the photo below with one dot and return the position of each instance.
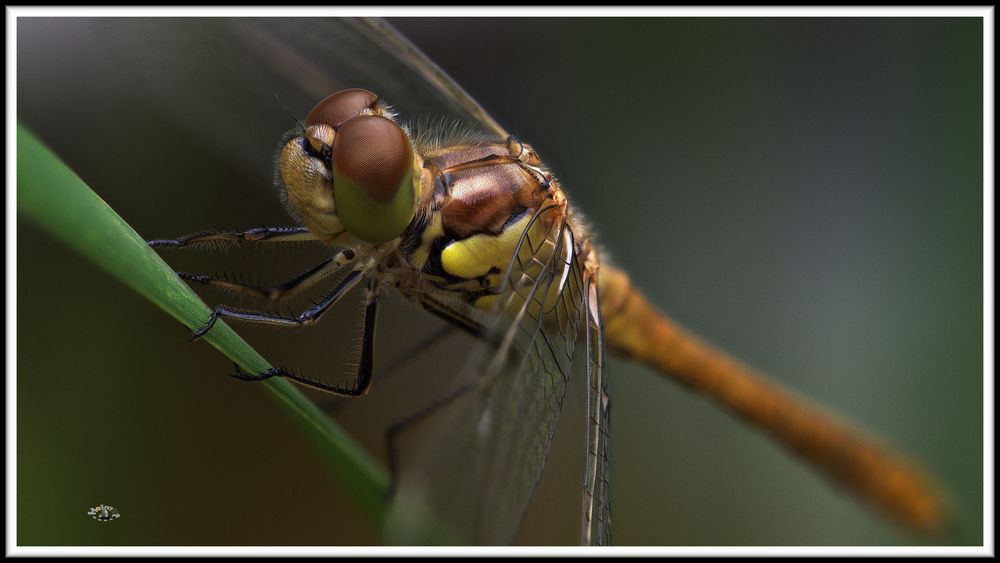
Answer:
(432, 232)
(476, 255)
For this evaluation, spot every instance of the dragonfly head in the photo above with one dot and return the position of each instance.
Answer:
(352, 170)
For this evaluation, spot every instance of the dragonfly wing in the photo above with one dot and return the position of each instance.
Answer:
(596, 525)
(381, 31)
(596, 513)
(485, 449)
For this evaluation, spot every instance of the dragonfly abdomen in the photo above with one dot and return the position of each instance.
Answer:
(635, 329)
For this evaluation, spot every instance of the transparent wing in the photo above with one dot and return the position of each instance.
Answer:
(381, 31)
(483, 451)
(596, 525)
(184, 71)
(596, 528)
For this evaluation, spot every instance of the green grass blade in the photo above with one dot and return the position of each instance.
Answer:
(57, 200)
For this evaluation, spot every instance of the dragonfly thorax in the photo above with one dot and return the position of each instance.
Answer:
(480, 201)
(459, 215)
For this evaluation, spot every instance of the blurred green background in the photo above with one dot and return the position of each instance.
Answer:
(804, 193)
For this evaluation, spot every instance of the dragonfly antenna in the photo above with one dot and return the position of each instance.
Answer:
(295, 119)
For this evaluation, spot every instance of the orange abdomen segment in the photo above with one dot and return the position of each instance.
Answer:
(635, 329)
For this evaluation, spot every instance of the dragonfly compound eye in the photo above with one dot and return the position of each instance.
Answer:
(373, 178)
(337, 108)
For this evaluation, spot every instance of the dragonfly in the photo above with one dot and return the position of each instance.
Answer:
(474, 227)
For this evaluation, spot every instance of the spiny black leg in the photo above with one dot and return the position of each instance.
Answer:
(307, 318)
(405, 424)
(387, 373)
(362, 380)
(282, 290)
(366, 365)
(454, 317)
(272, 234)
(221, 282)
(245, 376)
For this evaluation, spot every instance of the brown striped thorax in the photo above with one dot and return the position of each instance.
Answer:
(454, 214)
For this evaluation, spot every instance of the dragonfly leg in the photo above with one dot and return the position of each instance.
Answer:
(453, 316)
(400, 426)
(282, 290)
(258, 234)
(402, 359)
(309, 317)
(363, 379)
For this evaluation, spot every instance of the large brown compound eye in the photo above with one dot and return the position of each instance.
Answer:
(337, 108)
(373, 172)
